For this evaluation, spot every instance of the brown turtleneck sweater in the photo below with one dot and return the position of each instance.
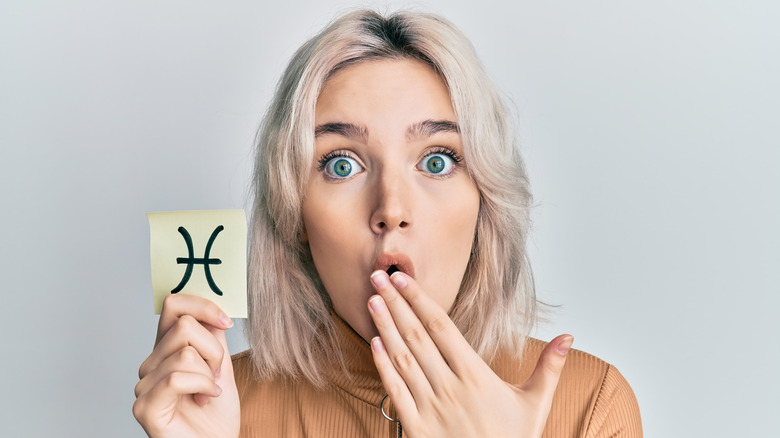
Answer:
(592, 399)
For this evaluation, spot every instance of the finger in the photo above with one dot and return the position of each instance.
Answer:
(176, 305)
(393, 382)
(185, 360)
(412, 332)
(186, 331)
(164, 396)
(460, 356)
(200, 399)
(548, 369)
(224, 374)
(398, 352)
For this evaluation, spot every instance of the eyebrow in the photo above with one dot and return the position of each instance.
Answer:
(344, 129)
(425, 128)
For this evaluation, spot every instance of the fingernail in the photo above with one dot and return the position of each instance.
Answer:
(379, 278)
(398, 279)
(565, 345)
(218, 389)
(218, 372)
(377, 344)
(225, 321)
(377, 304)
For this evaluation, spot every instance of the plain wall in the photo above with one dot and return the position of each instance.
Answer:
(650, 132)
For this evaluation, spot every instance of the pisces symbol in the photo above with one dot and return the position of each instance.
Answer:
(191, 261)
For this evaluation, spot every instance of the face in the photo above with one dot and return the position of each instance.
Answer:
(389, 186)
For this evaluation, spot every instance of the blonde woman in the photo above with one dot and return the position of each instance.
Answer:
(390, 291)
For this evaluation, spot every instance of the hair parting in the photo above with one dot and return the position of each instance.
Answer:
(290, 326)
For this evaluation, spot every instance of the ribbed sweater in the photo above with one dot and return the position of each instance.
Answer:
(592, 399)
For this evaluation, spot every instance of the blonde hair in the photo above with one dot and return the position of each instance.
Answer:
(290, 324)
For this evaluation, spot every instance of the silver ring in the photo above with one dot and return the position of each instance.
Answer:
(382, 408)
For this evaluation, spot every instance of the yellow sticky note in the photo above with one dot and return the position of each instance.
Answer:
(200, 253)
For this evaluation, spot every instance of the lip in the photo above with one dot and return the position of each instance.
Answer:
(400, 260)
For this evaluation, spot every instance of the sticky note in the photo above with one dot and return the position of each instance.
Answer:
(201, 253)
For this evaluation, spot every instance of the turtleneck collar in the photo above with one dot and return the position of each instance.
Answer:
(361, 378)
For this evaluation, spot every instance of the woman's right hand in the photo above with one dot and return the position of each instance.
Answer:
(187, 387)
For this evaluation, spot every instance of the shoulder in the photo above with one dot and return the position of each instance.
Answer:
(242, 371)
(242, 366)
(250, 388)
(592, 398)
(240, 359)
(266, 406)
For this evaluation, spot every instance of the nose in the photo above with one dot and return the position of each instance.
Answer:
(391, 210)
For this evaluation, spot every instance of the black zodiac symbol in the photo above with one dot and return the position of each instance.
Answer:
(205, 261)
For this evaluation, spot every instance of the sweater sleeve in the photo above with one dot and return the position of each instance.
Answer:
(616, 411)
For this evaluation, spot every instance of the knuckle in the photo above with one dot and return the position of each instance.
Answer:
(187, 321)
(411, 294)
(220, 351)
(169, 301)
(139, 410)
(550, 366)
(390, 297)
(395, 390)
(438, 324)
(143, 370)
(186, 324)
(137, 389)
(175, 381)
(188, 354)
(450, 395)
(403, 360)
(414, 335)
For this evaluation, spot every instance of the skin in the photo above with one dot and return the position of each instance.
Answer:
(439, 384)
(186, 385)
(389, 201)
(394, 204)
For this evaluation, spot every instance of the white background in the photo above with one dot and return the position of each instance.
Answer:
(650, 131)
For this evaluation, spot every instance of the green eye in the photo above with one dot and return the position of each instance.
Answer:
(342, 167)
(437, 164)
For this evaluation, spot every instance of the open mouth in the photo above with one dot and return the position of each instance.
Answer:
(395, 262)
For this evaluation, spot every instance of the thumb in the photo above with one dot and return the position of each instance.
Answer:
(548, 369)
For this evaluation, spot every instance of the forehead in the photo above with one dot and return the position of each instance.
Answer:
(387, 89)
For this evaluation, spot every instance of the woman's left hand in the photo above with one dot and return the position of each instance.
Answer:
(438, 384)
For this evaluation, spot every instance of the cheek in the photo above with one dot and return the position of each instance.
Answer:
(459, 219)
(452, 229)
(324, 235)
(334, 237)
(328, 215)
(331, 225)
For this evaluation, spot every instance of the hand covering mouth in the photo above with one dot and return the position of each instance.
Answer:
(393, 262)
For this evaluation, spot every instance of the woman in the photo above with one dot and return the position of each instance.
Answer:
(389, 286)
